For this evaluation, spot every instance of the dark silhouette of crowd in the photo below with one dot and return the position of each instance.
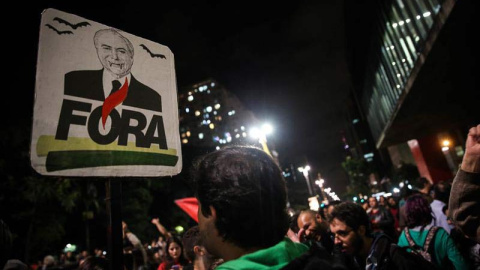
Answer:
(244, 224)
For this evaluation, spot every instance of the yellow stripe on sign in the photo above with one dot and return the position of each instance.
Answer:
(48, 143)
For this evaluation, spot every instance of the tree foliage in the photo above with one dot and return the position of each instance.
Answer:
(358, 171)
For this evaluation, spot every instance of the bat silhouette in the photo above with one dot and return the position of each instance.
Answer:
(73, 26)
(152, 54)
(58, 32)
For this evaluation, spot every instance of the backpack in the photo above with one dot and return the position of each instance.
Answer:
(425, 250)
(388, 255)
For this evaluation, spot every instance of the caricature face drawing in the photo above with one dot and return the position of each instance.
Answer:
(114, 51)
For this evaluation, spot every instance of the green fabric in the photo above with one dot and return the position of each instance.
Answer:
(443, 247)
(274, 257)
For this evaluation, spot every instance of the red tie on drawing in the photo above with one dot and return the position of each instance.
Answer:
(114, 99)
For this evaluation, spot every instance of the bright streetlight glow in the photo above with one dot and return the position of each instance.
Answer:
(267, 129)
(305, 170)
(255, 133)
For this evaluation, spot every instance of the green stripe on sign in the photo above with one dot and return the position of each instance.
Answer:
(65, 160)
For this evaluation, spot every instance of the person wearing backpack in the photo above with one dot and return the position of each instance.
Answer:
(353, 236)
(431, 242)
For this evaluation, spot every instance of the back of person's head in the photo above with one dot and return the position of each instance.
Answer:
(49, 260)
(293, 222)
(441, 192)
(15, 265)
(191, 239)
(93, 263)
(353, 215)
(417, 211)
(247, 190)
(423, 183)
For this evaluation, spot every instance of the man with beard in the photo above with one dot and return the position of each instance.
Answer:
(314, 229)
(242, 210)
(350, 226)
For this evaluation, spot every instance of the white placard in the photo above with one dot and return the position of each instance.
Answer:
(105, 102)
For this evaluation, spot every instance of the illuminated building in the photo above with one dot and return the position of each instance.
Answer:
(412, 66)
(211, 116)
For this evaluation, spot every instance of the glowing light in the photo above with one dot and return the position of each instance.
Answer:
(446, 143)
(218, 147)
(244, 134)
(407, 20)
(255, 133)
(394, 25)
(179, 229)
(187, 110)
(209, 109)
(200, 136)
(396, 190)
(217, 106)
(426, 14)
(188, 133)
(401, 184)
(190, 98)
(211, 126)
(409, 186)
(267, 129)
(418, 17)
(355, 199)
(445, 148)
(197, 113)
(401, 23)
(237, 136)
(185, 141)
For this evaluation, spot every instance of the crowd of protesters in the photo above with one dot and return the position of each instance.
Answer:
(243, 224)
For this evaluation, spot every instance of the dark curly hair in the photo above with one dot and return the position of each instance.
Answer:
(418, 211)
(248, 192)
(353, 215)
(191, 239)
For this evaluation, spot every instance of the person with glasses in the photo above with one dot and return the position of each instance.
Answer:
(351, 232)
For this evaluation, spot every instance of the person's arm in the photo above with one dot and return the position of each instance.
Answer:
(160, 227)
(464, 203)
(453, 253)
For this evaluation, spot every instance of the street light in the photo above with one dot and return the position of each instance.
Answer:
(261, 135)
(305, 171)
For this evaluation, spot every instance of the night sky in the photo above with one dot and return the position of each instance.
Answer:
(285, 62)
